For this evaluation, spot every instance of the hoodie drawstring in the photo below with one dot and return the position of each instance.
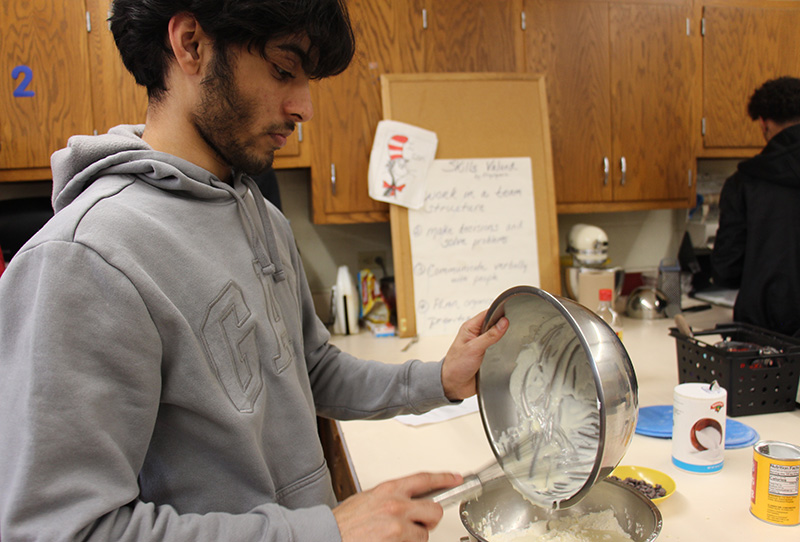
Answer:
(269, 235)
(270, 263)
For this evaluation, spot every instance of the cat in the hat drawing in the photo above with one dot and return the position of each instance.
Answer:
(397, 166)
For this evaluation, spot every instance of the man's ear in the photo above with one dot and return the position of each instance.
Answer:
(765, 128)
(188, 42)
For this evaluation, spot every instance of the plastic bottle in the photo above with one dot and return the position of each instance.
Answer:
(345, 303)
(607, 312)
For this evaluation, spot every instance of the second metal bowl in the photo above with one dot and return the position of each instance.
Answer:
(502, 510)
(646, 303)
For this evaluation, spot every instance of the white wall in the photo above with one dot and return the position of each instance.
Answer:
(637, 240)
(325, 248)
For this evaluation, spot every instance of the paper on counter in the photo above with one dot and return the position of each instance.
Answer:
(399, 161)
(724, 297)
(441, 414)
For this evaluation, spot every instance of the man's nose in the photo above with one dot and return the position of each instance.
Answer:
(298, 105)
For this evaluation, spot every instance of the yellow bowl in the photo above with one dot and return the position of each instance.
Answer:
(651, 476)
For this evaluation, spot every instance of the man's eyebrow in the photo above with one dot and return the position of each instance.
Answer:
(302, 54)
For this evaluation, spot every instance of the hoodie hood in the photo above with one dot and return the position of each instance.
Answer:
(779, 161)
(122, 151)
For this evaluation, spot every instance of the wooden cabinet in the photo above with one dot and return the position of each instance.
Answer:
(620, 78)
(569, 43)
(469, 36)
(625, 86)
(45, 95)
(652, 76)
(346, 112)
(744, 45)
(69, 80)
(396, 36)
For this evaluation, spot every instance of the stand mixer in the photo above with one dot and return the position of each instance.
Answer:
(589, 272)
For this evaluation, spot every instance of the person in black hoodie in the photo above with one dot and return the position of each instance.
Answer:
(757, 247)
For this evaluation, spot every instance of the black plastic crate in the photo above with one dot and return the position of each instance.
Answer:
(757, 381)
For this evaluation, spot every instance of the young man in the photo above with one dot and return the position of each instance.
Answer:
(162, 362)
(757, 247)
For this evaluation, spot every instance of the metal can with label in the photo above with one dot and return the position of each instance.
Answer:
(698, 427)
(776, 480)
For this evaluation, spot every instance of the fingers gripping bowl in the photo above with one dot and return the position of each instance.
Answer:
(558, 396)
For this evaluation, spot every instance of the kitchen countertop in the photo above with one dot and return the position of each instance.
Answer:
(703, 505)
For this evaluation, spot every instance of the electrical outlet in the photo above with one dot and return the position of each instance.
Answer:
(369, 259)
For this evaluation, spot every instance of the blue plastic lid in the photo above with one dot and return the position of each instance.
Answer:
(656, 421)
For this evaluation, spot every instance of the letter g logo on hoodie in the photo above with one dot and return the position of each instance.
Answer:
(230, 340)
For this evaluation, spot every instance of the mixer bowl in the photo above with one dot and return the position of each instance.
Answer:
(502, 510)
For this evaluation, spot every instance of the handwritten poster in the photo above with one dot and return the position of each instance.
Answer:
(474, 238)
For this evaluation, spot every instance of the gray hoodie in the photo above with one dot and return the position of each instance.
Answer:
(163, 364)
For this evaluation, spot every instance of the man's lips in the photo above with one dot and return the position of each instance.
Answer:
(279, 139)
(280, 133)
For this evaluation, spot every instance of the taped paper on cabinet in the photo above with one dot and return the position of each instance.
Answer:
(399, 161)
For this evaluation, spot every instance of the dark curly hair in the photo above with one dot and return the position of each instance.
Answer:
(777, 100)
(140, 32)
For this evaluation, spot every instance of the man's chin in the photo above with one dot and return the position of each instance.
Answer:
(258, 167)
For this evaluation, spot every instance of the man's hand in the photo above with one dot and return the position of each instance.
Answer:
(465, 356)
(388, 512)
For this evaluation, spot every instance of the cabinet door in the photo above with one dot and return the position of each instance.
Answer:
(117, 98)
(568, 42)
(470, 36)
(742, 48)
(346, 112)
(45, 95)
(652, 71)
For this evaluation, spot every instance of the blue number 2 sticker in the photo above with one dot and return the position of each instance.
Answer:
(22, 88)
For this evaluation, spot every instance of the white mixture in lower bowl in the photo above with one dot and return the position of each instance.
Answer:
(595, 527)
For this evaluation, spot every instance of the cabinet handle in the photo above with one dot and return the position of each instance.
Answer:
(300, 132)
(623, 166)
(606, 170)
(333, 179)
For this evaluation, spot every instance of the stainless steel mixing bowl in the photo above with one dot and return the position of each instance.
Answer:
(562, 329)
(501, 509)
(646, 303)
(568, 347)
